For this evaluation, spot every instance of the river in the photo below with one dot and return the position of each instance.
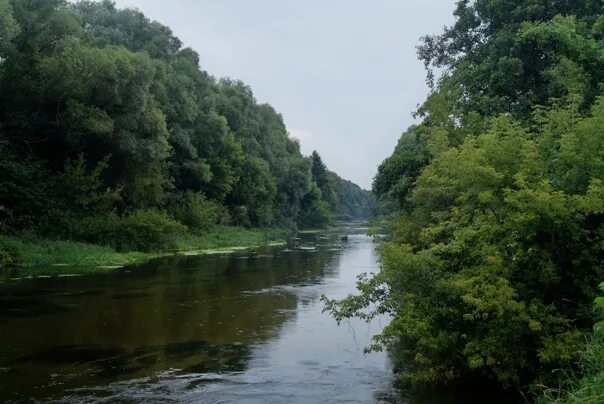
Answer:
(240, 327)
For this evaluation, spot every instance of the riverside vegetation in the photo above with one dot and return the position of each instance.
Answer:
(116, 146)
(497, 246)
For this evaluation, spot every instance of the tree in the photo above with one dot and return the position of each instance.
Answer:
(321, 177)
(9, 28)
(481, 272)
(315, 212)
(499, 55)
(496, 246)
(114, 123)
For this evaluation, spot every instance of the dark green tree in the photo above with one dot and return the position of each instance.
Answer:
(496, 249)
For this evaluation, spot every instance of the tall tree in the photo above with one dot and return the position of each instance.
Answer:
(496, 246)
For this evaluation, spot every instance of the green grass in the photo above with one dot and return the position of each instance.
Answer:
(224, 237)
(32, 256)
(585, 386)
(57, 256)
(585, 389)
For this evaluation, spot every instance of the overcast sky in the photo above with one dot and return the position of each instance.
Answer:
(343, 73)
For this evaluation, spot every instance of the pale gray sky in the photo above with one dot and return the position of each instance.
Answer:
(344, 73)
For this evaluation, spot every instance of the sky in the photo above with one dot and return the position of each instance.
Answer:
(343, 73)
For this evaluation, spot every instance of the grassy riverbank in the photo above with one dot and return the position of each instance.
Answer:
(34, 256)
(584, 384)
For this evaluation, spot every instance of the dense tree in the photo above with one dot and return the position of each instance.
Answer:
(496, 251)
(9, 28)
(315, 211)
(109, 127)
(321, 177)
(507, 56)
(345, 199)
(352, 201)
(396, 175)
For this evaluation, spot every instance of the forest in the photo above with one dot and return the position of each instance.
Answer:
(115, 140)
(497, 240)
(112, 134)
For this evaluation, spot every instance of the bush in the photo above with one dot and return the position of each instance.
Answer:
(8, 251)
(195, 211)
(587, 385)
(147, 230)
(315, 212)
(241, 216)
(489, 271)
(26, 191)
(144, 230)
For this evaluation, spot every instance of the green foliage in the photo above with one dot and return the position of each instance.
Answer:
(352, 202)
(225, 237)
(482, 270)
(254, 194)
(106, 120)
(315, 212)
(195, 211)
(587, 384)
(6, 257)
(25, 186)
(346, 200)
(499, 55)
(497, 246)
(396, 176)
(42, 256)
(9, 28)
(321, 177)
(83, 191)
(146, 231)
(143, 230)
(29, 255)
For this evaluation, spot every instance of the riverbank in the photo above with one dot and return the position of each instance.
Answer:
(33, 256)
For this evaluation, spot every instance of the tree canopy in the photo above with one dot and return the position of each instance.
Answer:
(114, 99)
(496, 250)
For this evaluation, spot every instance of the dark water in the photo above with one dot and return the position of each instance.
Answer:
(217, 328)
(244, 327)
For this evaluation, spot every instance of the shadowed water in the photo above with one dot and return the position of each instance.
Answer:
(244, 327)
(221, 328)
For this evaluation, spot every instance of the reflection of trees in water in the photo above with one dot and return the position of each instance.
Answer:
(198, 314)
(55, 370)
(115, 362)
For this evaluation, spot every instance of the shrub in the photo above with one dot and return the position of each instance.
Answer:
(25, 191)
(489, 271)
(195, 211)
(586, 385)
(8, 251)
(143, 230)
(241, 216)
(147, 230)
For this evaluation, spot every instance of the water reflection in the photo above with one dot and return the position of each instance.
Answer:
(239, 327)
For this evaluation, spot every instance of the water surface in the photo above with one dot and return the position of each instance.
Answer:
(246, 327)
(243, 327)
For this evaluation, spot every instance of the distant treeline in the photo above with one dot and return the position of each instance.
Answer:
(497, 246)
(108, 126)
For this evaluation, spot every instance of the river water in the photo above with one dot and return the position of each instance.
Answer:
(240, 327)
(243, 327)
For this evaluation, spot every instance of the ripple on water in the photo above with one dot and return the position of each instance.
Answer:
(234, 329)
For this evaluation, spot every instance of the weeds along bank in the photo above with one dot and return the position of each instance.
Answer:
(585, 383)
(32, 255)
